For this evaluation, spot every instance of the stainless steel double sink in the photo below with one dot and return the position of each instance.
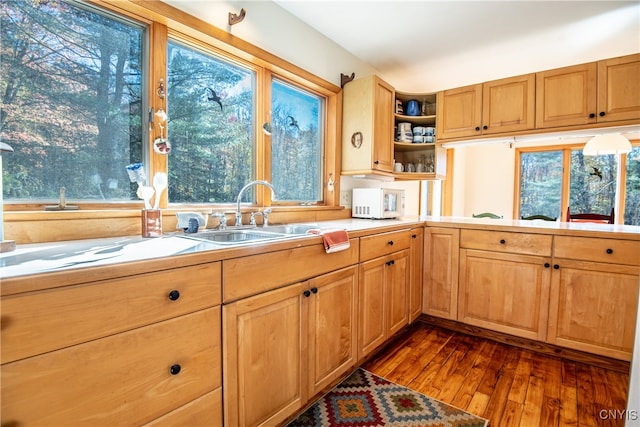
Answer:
(231, 236)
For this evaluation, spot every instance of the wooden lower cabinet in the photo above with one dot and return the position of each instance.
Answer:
(593, 307)
(505, 292)
(127, 379)
(383, 294)
(415, 281)
(284, 345)
(441, 261)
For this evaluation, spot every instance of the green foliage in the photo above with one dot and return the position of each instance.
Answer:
(70, 91)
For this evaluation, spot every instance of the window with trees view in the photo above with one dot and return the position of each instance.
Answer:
(210, 126)
(70, 86)
(78, 101)
(595, 183)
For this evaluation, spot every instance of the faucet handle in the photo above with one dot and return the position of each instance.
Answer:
(223, 219)
(265, 216)
(252, 219)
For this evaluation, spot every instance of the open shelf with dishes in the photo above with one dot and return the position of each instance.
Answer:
(416, 154)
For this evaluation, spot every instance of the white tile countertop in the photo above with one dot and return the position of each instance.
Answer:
(39, 258)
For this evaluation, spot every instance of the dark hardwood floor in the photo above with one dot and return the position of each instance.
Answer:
(508, 385)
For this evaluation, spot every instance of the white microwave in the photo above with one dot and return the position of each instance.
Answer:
(377, 203)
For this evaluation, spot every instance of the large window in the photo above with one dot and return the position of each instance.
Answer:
(70, 86)
(554, 178)
(84, 96)
(210, 126)
(296, 143)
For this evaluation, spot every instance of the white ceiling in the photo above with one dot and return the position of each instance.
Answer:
(407, 40)
(428, 45)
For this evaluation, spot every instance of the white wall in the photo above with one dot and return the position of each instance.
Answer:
(275, 30)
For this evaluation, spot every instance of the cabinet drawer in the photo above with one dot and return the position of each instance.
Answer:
(204, 411)
(251, 275)
(598, 250)
(501, 241)
(37, 322)
(124, 379)
(384, 244)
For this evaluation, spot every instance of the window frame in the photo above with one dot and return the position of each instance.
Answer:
(566, 149)
(162, 21)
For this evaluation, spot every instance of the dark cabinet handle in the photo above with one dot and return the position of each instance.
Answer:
(174, 295)
(485, 127)
(477, 128)
(502, 241)
(314, 290)
(556, 266)
(307, 293)
(375, 162)
(413, 236)
(609, 251)
(602, 113)
(592, 115)
(390, 262)
(390, 243)
(175, 369)
(547, 265)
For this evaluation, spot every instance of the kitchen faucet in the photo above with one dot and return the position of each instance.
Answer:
(252, 183)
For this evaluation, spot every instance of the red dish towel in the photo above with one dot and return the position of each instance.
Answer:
(334, 240)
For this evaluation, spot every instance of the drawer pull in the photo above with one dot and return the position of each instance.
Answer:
(390, 262)
(556, 266)
(175, 369)
(502, 241)
(547, 265)
(609, 251)
(390, 243)
(307, 293)
(314, 290)
(174, 295)
(413, 236)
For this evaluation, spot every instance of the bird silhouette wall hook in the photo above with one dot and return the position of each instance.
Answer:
(236, 18)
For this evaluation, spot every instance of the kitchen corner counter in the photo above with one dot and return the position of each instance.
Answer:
(578, 229)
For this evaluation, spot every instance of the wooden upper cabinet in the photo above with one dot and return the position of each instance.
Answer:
(508, 104)
(459, 112)
(498, 106)
(566, 96)
(596, 92)
(367, 126)
(619, 88)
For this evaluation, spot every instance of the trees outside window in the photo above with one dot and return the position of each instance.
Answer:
(70, 87)
(594, 184)
(211, 110)
(296, 143)
(541, 183)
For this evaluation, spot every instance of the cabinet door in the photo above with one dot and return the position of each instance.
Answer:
(332, 326)
(371, 309)
(264, 375)
(619, 88)
(566, 96)
(383, 107)
(440, 293)
(460, 112)
(505, 292)
(508, 104)
(397, 286)
(415, 280)
(367, 109)
(593, 307)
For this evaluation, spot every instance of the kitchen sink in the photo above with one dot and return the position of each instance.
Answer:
(251, 235)
(291, 229)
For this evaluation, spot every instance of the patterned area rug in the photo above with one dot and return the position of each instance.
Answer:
(367, 400)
